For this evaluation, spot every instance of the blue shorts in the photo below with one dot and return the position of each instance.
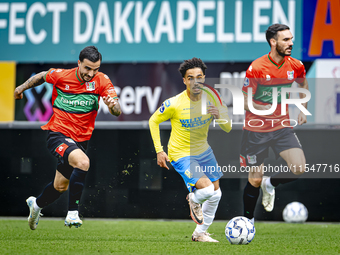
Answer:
(191, 168)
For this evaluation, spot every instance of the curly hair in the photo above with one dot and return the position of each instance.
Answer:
(190, 64)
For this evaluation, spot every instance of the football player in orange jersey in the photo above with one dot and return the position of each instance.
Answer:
(277, 69)
(75, 101)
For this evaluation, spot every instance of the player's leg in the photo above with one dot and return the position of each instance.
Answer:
(254, 149)
(209, 206)
(289, 148)
(53, 190)
(200, 188)
(251, 191)
(80, 163)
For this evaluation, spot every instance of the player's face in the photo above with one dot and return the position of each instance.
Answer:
(194, 79)
(88, 69)
(284, 43)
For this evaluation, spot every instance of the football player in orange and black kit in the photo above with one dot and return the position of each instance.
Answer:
(277, 69)
(75, 100)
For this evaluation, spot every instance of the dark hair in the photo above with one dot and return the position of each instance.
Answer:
(91, 53)
(272, 31)
(190, 64)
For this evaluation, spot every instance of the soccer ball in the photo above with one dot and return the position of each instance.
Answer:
(240, 230)
(295, 212)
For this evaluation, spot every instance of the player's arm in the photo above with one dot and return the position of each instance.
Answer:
(162, 114)
(32, 82)
(302, 118)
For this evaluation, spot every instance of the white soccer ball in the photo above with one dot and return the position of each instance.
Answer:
(295, 212)
(240, 230)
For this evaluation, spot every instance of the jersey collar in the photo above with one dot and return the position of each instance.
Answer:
(79, 79)
(274, 63)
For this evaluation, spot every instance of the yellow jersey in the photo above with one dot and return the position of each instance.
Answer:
(189, 128)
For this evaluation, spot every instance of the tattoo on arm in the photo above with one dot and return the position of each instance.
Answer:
(34, 81)
(115, 110)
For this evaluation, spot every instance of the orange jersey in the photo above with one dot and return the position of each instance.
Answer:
(262, 76)
(75, 102)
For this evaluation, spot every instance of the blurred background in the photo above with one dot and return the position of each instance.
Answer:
(143, 43)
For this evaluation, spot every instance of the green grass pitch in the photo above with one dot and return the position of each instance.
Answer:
(161, 237)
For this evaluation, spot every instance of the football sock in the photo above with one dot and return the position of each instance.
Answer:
(201, 195)
(76, 186)
(282, 178)
(209, 208)
(48, 196)
(250, 196)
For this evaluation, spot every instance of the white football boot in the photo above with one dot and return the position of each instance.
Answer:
(195, 210)
(33, 218)
(72, 219)
(267, 198)
(202, 237)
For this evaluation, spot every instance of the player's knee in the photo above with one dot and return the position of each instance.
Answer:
(298, 166)
(205, 193)
(60, 187)
(83, 164)
(255, 182)
(217, 195)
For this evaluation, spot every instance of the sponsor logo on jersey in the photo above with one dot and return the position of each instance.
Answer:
(246, 82)
(106, 77)
(268, 77)
(251, 159)
(242, 161)
(90, 86)
(290, 75)
(195, 122)
(61, 149)
(58, 70)
(250, 68)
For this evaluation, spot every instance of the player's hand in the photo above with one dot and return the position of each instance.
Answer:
(302, 118)
(109, 101)
(18, 93)
(213, 110)
(162, 158)
(265, 107)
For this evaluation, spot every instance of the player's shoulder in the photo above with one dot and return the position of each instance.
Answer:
(103, 77)
(295, 62)
(257, 64)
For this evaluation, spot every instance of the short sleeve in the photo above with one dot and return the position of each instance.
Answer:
(250, 81)
(108, 88)
(301, 73)
(53, 75)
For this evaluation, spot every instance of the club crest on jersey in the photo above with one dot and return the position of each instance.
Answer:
(251, 159)
(290, 75)
(90, 86)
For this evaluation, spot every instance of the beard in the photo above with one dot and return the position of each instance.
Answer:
(282, 51)
(85, 77)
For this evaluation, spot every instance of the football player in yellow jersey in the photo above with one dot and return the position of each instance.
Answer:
(188, 149)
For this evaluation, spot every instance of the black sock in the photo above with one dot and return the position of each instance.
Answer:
(48, 196)
(76, 186)
(283, 177)
(250, 196)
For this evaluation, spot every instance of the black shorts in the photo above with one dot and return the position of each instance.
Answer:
(255, 145)
(61, 146)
